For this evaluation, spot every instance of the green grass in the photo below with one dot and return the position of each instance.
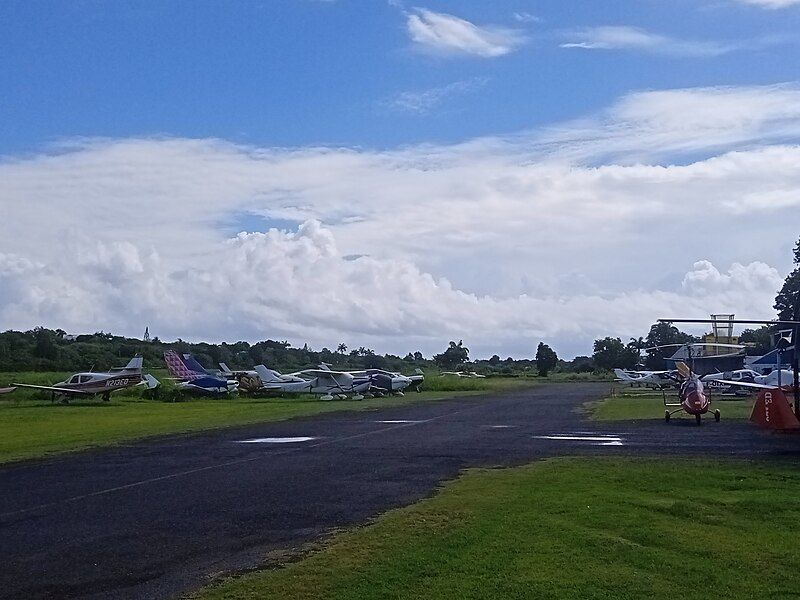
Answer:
(629, 406)
(565, 528)
(31, 426)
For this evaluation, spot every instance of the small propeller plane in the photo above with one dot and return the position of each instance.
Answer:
(651, 379)
(328, 384)
(387, 382)
(192, 377)
(693, 399)
(91, 383)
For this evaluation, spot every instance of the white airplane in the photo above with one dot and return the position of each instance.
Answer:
(718, 381)
(386, 382)
(328, 384)
(467, 374)
(652, 379)
(92, 383)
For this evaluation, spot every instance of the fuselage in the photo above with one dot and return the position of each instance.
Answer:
(100, 383)
(693, 398)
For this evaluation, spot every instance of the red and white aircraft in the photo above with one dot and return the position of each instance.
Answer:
(693, 399)
(103, 383)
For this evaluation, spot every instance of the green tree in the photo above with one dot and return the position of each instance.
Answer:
(662, 334)
(610, 353)
(452, 358)
(45, 346)
(759, 341)
(494, 361)
(789, 295)
(546, 359)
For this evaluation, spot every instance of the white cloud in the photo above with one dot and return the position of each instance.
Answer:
(526, 17)
(424, 101)
(633, 38)
(587, 229)
(449, 35)
(772, 4)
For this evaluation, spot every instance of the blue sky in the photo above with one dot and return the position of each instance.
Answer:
(396, 175)
(300, 72)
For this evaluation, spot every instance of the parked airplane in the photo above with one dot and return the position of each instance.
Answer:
(719, 381)
(386, 382)
(92, 383)
(467, 374)
(192, 377)
(314, 381)
(652, 379)
(248, 381)
(693, 400)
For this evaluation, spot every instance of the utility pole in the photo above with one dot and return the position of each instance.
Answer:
(795, 357)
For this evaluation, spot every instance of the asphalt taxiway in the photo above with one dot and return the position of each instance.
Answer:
(157, 518)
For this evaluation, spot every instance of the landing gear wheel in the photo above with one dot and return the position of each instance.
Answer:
(106, 397)
(699, 419)
(716, 415)
(666, 416)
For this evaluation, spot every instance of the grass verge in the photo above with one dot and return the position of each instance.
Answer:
(565, 528)
(31, 426)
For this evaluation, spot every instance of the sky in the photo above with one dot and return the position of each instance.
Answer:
(393, 174)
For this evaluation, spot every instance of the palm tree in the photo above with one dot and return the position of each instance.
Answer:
(341, 348)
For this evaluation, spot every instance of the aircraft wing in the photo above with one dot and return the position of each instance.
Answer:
(746, 384)
(7, 390)
(320, 372)
(50, 388)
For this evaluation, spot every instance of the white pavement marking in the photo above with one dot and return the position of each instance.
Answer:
(502, 426)
(595, 440)
(398, 422)
(276, 440)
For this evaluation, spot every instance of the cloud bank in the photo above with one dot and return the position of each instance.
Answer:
(669, 203)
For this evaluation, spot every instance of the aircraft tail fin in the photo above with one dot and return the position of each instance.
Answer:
(266, 375)
(683, 369)
(194, 366)
(135, 364)
(622, 375)
(224, 368)
(176, 366)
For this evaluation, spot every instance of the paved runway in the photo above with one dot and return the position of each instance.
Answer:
(155, 519)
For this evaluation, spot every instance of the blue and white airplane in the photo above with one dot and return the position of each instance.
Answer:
(191, 376)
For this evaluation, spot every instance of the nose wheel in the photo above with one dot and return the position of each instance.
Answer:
(666, 416)
(716, 415)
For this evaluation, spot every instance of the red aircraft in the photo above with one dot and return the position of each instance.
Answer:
(693, 399)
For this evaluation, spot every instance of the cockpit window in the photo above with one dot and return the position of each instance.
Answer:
(75, 379)
(85, 378)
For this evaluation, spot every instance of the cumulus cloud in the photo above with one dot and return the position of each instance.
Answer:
(424, 101)
(450, 35)
(634, 38)
(587, 229)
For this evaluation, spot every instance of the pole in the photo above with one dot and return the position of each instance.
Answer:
(795, 357)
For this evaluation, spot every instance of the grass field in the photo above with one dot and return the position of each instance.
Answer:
(565, 528)
(31, 426)
(627, 406)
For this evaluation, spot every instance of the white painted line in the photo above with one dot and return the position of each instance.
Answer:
(580, 438)
(594, 440)
(398, 422)
(502, 426)
(276, 440)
